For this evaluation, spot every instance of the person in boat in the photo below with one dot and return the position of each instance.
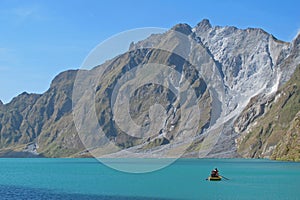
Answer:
(214, 173)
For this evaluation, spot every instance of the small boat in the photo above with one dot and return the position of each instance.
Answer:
(215, 178)
(214, 175)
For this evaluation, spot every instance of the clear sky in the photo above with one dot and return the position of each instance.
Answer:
(39, 39)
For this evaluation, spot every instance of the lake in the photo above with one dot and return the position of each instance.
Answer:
(87, 178)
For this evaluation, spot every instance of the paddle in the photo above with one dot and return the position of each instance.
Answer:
(224, 177)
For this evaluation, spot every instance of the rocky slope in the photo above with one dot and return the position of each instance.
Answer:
(236, 81)
(40, 124)
(270, 125)
(267, 123)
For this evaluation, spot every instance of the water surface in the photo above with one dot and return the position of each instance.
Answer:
(85, 178)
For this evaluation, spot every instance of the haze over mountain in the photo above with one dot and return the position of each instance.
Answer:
(246, 89)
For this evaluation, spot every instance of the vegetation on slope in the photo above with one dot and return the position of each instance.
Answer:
(275, 133)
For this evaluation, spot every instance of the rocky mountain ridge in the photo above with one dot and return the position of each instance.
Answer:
(236, 75)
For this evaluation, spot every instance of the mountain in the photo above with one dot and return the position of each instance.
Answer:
(226, 92)
(268, 125)
(44, 122)
(274, 128)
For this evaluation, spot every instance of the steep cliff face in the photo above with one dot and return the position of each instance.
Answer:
(234, 75)
(254, 64)
(14, 128)
(156, 113)
(248, 60)
(44, 121)
(268, 125)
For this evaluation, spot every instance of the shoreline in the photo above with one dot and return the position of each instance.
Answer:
(131, 158)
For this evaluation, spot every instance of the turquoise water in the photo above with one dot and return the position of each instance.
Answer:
(43, 178)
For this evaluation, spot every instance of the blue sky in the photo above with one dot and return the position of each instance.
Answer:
(39, 39)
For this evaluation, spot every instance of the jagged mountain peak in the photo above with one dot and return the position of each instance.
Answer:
(60, 79)
(257, 30)
(204, 25)
(23, 95)
(182, 28)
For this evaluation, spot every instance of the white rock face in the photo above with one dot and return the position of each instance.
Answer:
(248, 60)
(252, 61)
(236, 65)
